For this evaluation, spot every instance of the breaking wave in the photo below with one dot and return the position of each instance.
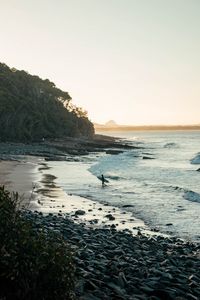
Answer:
(196, 159)
(192, 196)
(171, 145)
(188, 194)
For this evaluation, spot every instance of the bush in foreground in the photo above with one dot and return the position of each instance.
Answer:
(33, 264)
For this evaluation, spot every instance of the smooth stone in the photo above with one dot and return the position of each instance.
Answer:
(116, 288)
(80, 212)
(110, 217)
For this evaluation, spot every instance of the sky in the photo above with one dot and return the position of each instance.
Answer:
(133, 61)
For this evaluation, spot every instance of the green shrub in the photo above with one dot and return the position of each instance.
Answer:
(33, 264)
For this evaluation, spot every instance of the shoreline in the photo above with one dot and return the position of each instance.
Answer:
(29, 176)
(85, 211)
(40, 193)
(43, 156)
(110, 264)
(32, 178)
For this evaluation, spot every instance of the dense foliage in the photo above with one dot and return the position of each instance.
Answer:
(33, 264)
(32, 108)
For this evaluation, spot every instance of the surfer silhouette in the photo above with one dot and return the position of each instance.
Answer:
(103, 180)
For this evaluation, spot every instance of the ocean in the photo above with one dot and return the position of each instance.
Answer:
(159, 181)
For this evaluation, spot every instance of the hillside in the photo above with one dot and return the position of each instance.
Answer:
(32, 109)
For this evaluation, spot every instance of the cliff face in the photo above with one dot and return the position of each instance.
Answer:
(32, 108)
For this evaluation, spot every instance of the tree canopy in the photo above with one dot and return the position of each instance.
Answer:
(32, 108)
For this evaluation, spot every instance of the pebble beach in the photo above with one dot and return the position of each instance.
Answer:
(113, 264)
(116, 255)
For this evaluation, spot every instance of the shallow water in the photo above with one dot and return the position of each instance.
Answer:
(163, 191)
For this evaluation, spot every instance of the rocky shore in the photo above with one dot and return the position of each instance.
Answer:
(64, 149)
(114, 264)
(110, 264)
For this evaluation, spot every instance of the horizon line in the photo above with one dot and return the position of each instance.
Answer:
(144, 125)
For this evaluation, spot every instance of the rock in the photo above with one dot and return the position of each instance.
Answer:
(80, 212)
(114, 151)
(113, 226)
(94, 221)
(147, 289)
(191, 297)
(54, 158)
(122, 280)
(116, 289)
(90, 296)
(110, 217)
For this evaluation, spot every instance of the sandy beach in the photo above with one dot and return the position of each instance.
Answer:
(6, 168)
(20, 176)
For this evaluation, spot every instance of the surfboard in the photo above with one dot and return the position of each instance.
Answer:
(100, 178)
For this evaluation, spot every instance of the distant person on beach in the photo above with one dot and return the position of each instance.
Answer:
(103, 180)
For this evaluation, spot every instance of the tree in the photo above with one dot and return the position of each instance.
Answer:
(32, 108)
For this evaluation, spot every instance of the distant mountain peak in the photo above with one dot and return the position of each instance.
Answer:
(111, 123)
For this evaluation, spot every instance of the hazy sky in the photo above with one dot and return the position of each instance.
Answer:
(133, 61)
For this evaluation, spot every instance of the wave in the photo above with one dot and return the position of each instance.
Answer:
(178, 188)
(188, 194)
(115, 166)
(192, 196)
(196, 160)
(171, 145)
(113, 177)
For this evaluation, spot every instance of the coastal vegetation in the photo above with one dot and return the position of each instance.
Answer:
(32, 109)
(34, 263)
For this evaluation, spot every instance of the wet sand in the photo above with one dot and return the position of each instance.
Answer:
(32, 179)
(20, 176)
(6, 168)
(50, 198)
